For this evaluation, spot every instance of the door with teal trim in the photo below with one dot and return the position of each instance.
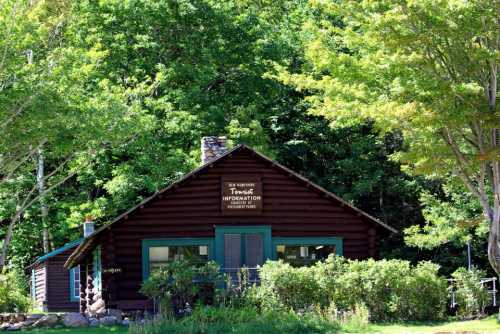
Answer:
(242, 246)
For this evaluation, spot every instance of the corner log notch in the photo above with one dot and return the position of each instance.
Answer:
(92, 302)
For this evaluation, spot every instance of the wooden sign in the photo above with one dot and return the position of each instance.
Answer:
(241, 196)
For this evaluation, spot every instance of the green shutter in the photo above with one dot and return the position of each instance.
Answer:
(72, 291)
(97, 270)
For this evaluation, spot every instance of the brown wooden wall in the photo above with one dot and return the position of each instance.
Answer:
(193, 208)
(40, 281)
(58, 290)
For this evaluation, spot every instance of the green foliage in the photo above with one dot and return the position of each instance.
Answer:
(289, 287)
(355, 163)
(236, 293)
(355, 320)
(178, 283)
(455, 219)
(470, 295)
(129, 103)
(128, 88)
(391, 290)
(427, 69)
(13, 296)
(248, 320)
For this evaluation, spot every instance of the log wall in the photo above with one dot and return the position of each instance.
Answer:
(291, 207)
(58, 285)
(40, 283)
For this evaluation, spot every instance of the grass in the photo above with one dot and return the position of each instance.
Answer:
(488, 325)
(290, 326)
(89, 330)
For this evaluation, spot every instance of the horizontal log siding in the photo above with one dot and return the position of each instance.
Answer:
(194, 208)
(40, 281)
(58, 294)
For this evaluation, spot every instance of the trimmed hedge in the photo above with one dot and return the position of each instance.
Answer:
(390, 289)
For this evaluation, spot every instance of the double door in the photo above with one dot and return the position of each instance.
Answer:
(243, 248)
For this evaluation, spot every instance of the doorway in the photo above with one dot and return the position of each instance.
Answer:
(242, 247)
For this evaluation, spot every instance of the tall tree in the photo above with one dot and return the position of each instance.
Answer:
(52, 98)
(428, 68)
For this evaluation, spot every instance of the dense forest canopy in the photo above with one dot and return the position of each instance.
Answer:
(389, 104)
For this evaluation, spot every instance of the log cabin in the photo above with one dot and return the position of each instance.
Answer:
(54, 288)
(240, 208)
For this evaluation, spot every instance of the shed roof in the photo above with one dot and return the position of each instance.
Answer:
(87, 242)
(55, 252)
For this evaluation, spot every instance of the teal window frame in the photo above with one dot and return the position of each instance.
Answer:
(97, 270)
(338, 242)
(221, 230)
(146, 243)
(72, 296)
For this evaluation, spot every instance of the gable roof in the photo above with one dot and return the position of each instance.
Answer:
(58, 251)
(87, 242)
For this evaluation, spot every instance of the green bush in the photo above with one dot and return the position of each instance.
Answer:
(282, 285)
(178, 284)
(13, 297)
(236, 293)
(390, 289)
(470, 295)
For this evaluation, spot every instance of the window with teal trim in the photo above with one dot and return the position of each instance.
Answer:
(158, 252)
(305, 251)
(74, 284)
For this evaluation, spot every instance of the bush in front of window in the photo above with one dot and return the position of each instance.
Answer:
(285, 286)
(390, 289)
(176, 286)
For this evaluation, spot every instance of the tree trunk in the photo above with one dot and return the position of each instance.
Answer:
(494, 244)
(494, 236)
(40, 179)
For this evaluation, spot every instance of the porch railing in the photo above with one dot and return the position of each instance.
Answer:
(236, 274)
(491, 287)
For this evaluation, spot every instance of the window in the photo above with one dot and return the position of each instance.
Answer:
(303, 255)
(158, 252)
(74, 283)
(160, 255)
(305, 251)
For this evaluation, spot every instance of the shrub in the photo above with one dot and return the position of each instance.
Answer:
(236, 293)
(178, 284)
(13, 297)
(426, 295)
(282, 285)
(390, 289)
(470, 295)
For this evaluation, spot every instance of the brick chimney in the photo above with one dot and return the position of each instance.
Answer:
(88, 227)
(212, 147)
